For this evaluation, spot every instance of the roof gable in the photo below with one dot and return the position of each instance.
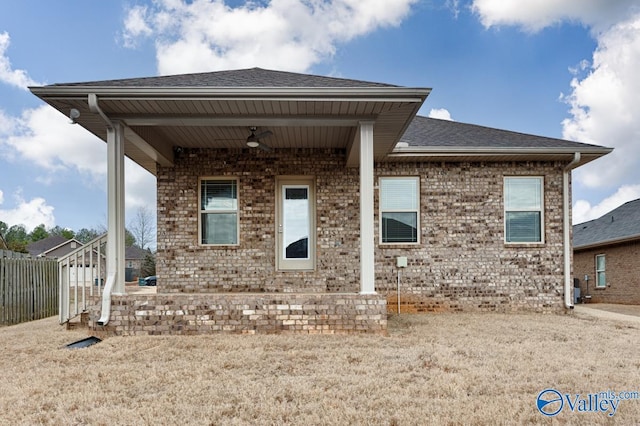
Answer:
(620, 224)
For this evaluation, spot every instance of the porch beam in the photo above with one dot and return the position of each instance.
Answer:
(115, 206)
(367, 243)
(160, 153)
(258, 121)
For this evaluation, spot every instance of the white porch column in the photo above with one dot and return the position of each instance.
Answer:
(367, 243)
(115, 206)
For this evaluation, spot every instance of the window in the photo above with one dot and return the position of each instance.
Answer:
(399, 209)
(523, 209)
(219, 211)
(601, 278)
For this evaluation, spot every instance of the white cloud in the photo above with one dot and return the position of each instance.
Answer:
(207, 35)
(533, 15)
(8, 75)
(28, 213)
(44, 136)
(140, 188)
(440, 113)
(605, 107)
(583, 211)
(135, 25)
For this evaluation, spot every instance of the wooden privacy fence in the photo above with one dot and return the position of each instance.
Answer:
(28, 289)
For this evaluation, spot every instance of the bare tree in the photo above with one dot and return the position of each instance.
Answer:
(143, 227)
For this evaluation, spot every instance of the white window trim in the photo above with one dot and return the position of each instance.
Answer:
(598, 284)
(416, 210)
(504, 205)
(200, 211)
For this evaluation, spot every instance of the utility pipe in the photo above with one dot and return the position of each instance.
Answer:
(566, 207)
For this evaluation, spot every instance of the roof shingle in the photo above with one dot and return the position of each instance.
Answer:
(431, 132)
(618, 224)
(252, 77)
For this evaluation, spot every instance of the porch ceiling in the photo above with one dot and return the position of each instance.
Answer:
(157, 120)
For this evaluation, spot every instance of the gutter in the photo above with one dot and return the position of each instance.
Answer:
(567, 227)
(443, 151)
(105, 313)
(380, 94)
(603, 243)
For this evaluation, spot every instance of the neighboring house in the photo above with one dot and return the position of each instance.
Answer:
(53, 246)
(134, 257)
(286, 202)
(57, 246)
(606, 253)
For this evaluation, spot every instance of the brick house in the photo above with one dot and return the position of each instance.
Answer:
(287, 201)
(606, 254)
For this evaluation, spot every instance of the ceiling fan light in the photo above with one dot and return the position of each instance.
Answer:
(253, 143)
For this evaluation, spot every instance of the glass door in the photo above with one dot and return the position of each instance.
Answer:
(296, 224)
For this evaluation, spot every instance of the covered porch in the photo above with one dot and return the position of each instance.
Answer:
(260, 132)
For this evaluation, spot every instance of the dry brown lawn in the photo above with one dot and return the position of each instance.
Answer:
(431, 369)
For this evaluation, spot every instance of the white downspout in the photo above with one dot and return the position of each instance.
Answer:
(566, 207)
(113, 253)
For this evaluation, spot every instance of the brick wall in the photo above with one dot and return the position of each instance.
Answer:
(622, 273)
(248, 313)
(250, 267)
(461, 263)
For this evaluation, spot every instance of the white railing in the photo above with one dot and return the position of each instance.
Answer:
(81, 277)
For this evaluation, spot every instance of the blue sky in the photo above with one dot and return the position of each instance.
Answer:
(565, 70)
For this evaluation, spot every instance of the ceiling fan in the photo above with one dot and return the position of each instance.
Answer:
(253, 141)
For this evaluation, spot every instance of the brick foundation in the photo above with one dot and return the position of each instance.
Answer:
(190, 314)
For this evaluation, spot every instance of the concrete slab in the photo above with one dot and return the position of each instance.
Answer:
(628, 313)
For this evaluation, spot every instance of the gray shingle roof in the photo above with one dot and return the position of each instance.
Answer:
(134, 252)
(46, 244)
(619, 224)
(252, 77)
(431, 132)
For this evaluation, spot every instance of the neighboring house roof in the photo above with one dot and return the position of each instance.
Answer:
(135, 253)
(45, 245)
(617, 226)
(54, 246)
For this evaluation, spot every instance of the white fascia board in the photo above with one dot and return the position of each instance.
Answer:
(382, 94)
(439, 151)
(498, 150)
